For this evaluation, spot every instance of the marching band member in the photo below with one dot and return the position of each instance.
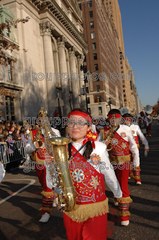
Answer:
(136, 132)
(143, 123)
(39, 155)
(122, 146)
(89, 166)
(149, 118)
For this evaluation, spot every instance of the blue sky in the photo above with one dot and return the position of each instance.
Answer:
(140, 23)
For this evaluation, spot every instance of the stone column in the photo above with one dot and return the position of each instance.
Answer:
(74, 78)
(64, 75)
(80, 59)
(50, 79)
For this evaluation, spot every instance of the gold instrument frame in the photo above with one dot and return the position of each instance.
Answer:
(68, 197)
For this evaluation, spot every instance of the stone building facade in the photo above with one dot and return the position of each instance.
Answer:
(47, 68)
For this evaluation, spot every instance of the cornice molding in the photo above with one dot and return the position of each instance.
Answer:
(60, 15)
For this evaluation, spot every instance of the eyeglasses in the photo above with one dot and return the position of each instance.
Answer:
(79, 124)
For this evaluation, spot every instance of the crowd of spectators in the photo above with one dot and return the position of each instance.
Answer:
(9, 130)
(13, 136)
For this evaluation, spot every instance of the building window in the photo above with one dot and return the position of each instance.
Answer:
(92, 35)
(79, 5)
(100, 110)
(94, 46)
(7, 32)
(111, 11)
(98, 88)
(96, 67)
(121, 67)
(121, 62)
(95, 56)
(106, 3)
(10, 70)
(90, 14)
(90, 4)
(10, 108)
(92, 24)
(88, 100)
(110, 7)
(97, 99)
(124, 90)
(124, 95)
(109, 2)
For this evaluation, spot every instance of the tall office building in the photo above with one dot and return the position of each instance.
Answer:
(113, 10)
(102, 63)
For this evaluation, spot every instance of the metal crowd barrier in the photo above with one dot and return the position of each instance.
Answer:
(12, 151)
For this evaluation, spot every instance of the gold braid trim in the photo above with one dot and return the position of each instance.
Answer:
(137, 168)
(47, 194)
(136, 177)
(82, 212)
(46, 209)
(39, 161)
(123, 214)
(117, 159)
(125, 200)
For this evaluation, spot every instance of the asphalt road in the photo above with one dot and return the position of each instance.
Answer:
(20, 200)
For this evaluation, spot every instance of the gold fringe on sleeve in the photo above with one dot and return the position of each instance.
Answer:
(82, 212)
(122, 159)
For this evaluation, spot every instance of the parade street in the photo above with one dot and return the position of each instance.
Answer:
(20, 201)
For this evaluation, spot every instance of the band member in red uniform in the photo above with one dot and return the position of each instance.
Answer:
(89, 166)
(39, 155)
(136, 131)
(122, 146)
